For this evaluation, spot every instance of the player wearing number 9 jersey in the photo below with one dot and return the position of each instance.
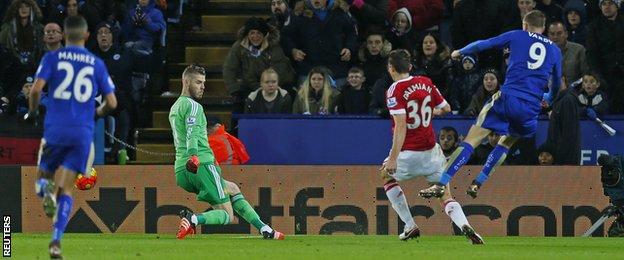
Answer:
(412, 102)
(74, 77)
(513, 111)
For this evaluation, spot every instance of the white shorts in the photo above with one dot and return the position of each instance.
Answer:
(412, 164)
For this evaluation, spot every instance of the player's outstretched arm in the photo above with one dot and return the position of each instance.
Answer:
(109, 104)
(495, 42)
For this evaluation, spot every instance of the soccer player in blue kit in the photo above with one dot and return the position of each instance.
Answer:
(74, 77)
(513, 111)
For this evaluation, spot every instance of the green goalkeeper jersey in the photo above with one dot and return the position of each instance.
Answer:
(188, 125)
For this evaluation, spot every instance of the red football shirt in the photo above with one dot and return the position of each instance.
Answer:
(416, 97)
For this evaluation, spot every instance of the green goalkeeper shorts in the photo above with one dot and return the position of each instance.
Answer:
(207, 184)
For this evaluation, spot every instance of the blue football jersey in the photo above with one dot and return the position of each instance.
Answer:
(74, 77)
(533, 61)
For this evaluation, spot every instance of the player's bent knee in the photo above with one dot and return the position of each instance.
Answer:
(232, 188)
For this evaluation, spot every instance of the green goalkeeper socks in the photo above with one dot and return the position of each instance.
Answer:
(242, 207)
(213, 217)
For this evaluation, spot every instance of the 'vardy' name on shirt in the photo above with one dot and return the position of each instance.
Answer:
(78, 57)
(539, 37)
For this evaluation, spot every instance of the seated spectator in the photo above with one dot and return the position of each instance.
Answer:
(227, 149)
(551, 10)
(368, 13)
(490, 86)
(21, 101)
(546, 154)
(466, 81)
(521, 9)
(256, 49)
(22, 35)
(575, 20)
(269, 98)
(373, 56)
(378, 105)
(401, 35)
(481, 152)
(432, 59)
(592, 100)
(449, 139)
(119, 63)
(605, 54)
(574, 62)
(58, 10)
(354, 98)
(143, 27)
(491, 20)
(426, 14)
(316, 96)
(322, 35)
(280, 14)
(52, 37)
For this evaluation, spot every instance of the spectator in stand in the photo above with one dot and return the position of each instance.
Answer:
(368, 13)
(564, 130)
(481, 152)
(373, 56)
(227, 149)
(466, 82)
(426, 14)
(592, 100)
(52, 37)
(545, 154)
(552, 10)
(7, 91)
(316, 96)
(256, 50)
(269, 98)
(449, 139)
(575, 17)
(22, 34)
(491, 85)
(477, 20)
(280, 14)
(432, 59)
(21, 100)
(522, 8)
(61, 9)
(573, 58)
(322, 35)
(142, 28)
(605, 52)
(401, 35)
(354, 98)
(377, 106)
(119, 62)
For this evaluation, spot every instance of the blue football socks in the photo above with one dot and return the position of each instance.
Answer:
(64, 203)
(460, 156)
(496, 158)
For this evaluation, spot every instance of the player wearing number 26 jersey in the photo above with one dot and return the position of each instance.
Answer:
(74, 77)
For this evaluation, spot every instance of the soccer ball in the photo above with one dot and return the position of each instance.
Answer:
(86, 182)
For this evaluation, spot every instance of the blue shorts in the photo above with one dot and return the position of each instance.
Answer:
(77, 158)
(505, 114)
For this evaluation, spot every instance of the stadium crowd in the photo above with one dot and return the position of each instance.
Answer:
(322, 57)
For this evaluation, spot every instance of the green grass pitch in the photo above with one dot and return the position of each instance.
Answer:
(153, 246)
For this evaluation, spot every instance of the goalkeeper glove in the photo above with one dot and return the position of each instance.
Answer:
(192, 164)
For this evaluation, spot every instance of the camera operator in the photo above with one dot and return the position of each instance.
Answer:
(613, 185)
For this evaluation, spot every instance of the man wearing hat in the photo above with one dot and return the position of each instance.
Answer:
(605, 53)
(119, 63)
(256, 49)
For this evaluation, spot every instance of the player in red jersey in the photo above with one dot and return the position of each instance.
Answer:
(412, 102)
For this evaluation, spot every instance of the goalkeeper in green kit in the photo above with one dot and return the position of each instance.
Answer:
(196, 170)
